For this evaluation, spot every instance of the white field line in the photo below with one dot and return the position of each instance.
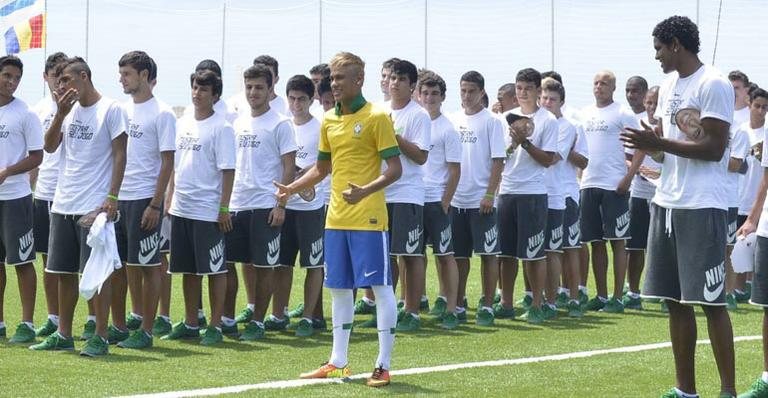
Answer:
(414, 371)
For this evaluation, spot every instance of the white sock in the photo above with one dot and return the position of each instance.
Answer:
(498, 291)
(368, 301)
(583, 289)
(765, 377)
(386, 319)
(2, 324)
(342, 315)
(191, 327)
(459, 310)
(424, 297)
(135, 315)
(90, 318)
(633, 294)
(682, 394)
(251, 306)
(563, 290)
(54, 319)
(443, 297)
(167, 318)
(529, 293)
(30, 324)
(603, 299)
(200, 313)
(227, 321)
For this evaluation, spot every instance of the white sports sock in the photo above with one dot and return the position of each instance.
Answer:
(633, 294)
(424, 297)
(167, 318)
(227, 321)
(386, 319)
(369, 301)
(443, 297)
(200, 313)
(603, 299)
(90, 318)
(529, 293)
(30, 324)
(459, 310)
(191, 327)
(563, 290)
(342, 315)
(583, 288)
(54, 319)
(2, 324)
(765, 377)
(682, 394)
(251, 306)
(137, 316)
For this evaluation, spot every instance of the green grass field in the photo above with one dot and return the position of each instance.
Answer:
(172, 366)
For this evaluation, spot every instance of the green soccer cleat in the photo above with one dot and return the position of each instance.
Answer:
(497, 298)
(409, 323)
(670, 394)
(115, 335)
(450, 321)
(503, 313)
(632, 303)
(244, 316)
(229, 330)
(161, 326)
(758, 389)
(548, 312)
(361, 307)
(742, 297)
(55, 342)
(525, 302)
(138, 340)
(211, 336)
(24, 334)
(462, 316)
(89, 330)
(438, 308)
(370, 323)
(484, 317)
(400, 304)
(95, 347)
(274, 323)
(253, 331)
(181, 331)
(296, 312)
(424, 305)
(583, 298)
(132, 322)
(595, 304)
(574, 310)
(613, 306)
(400, 314)
(319, 324)
(533, 316)
(562, 300)
(47, 329)
(730, 302)
(304, 328)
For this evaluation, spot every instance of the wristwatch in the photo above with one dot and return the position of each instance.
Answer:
(526, 144)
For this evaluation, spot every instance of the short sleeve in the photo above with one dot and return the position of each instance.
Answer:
(33, 131)
(286, 138)
(740, 144)
(496, 139)
(323, 145)
(225, 148)
(549, 136)
(581, 142)
(165, 124)
(452, 145)
(716, 100)
(384, 133)
(422, 128)
(117, 120)
(565, 140)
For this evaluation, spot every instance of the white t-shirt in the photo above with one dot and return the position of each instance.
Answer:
(570, 173)
(20, 133)
(204, 149)
(607, 162)
(85, 172)
(750, 182)
(740, 116)
(762, 225)
(413, 123)
(522, 174)
(642, 188)
(307, 140)
(556, 174)
(151, 130)
(48, 172)
(219, 107)
(738, 148)
(692, 183)
(482, 140)
(445, 148)
(261, 141)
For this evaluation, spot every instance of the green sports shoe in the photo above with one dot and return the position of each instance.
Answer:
(497, 298)
(361, 307)
(275, 324)
(424, 305)
(548, 312)
(533, 316)
(670, 394)
(229, 330)
(595, 304)
(319, 324)
(252, 331)
(211, 336)
(438, 308)
(525, 302)
(758, 389)
(400, 304)
(409, 323)
(742, 297)
(400, 314)
(54, 342)
(583, 298)
(297, 312)
(613, 306)
(161, 326)
(370, 323)
(132, 322)
(562, 300)
(503, 313)
(24, 334)
(244, 316)
(115, 335)
(304, 328)
(730, 302)
(181, 331)
(574, 310)
(138, 339)
(632, 303)
(89, 330)
(484, 317)
(96, 346)
(450, 321)
(47, 329)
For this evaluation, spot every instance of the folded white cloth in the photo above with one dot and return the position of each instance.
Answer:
(104, 258)
(743, 254)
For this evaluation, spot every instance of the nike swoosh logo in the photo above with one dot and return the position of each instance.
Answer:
(553, 243)
(410, 247)
(216, 264)
(444, 242)
(621, 230)
(712, 295)
(531, 252)
(367, 274)
(273, 257)
(314, 258)
(490, 245)
(573, 235)
(144, 258)
(24, 253)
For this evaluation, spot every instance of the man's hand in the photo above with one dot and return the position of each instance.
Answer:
(225, 221)
(283, 192)
(65, 102)
(647, 139)
(517, 135)
(276, 216)
(486, 205)
(110, 207)
(747, 228)
(150, 219)
(3, 175)
(624, 185)
(649, 173)
(354, 193)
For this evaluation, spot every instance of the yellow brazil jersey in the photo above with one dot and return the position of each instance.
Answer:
(356, 144)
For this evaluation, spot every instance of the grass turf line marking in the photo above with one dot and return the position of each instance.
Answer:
(414, 371)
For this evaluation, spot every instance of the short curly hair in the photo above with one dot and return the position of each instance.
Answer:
(681, 28)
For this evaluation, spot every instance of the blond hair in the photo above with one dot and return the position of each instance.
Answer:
(346, 59)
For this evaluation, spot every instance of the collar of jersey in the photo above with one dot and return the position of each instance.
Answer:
(356, 104)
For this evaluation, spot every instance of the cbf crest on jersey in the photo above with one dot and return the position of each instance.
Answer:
(357, 130)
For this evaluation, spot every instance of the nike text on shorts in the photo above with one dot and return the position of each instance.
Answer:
(16, 232)
(136, 246)
(639, 221)
(406, 229)
(473, 231)
(554, 232)
(356, 259)
(437, 228)
(522, 222)
(686, 263)
(302, 233)
(604, 215)
(571, 227)
(68, 250)
(197, 247)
